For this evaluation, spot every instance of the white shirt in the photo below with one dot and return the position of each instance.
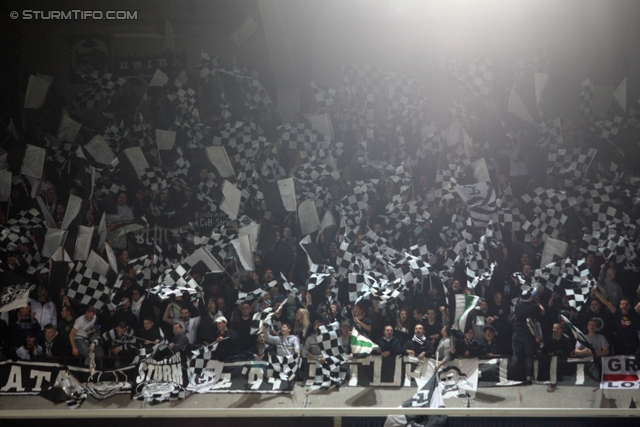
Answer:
(136, 306)
(189, 329)
(45, 313)
(23, 353)
(84, 327)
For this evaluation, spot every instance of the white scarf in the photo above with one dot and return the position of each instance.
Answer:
(135, 306)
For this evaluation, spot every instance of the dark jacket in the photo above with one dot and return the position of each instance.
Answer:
(472, 346)
(228, 347)
(393, 345)
(418, 348)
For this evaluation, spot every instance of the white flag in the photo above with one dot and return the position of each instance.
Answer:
(83, 243)
(166, 139)
(248, 27)
(33, 161)
(308, 216)
(53, 240)
(220, 159)
(97, 264)
(231, 200)
(517, 108)
(288, 193)
(204, 256)
(159, 79)
(620, 95)
(111, 257)
(243, 249)
(74, 205)
(37, 89)
(136, 157)
(99, 150)
(69, 129)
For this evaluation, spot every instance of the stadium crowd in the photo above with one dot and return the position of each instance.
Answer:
(515, 314)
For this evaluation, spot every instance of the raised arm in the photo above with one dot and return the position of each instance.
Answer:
(165, 316)
(604, 300)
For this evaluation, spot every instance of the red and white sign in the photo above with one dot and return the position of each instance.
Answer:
(620, 372)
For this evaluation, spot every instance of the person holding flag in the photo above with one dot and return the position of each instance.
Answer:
(595, 344)
(523, 341)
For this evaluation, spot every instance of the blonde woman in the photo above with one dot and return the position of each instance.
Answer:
(401, 331)
(301, 326)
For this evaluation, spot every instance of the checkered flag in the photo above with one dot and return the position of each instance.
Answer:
(155, 179)
(329, 340)
(355, 204)
(619, 248)
(284, 368)
(316, 279)
(544, 199)
(142, 134)
(549, 275)
(324, 95)
(360, 79)
(509, 218)
(478, 77)
(576, 282)
(576, 160)
(550, 133)
(33, 260)
(250, 297)
(200, 357)
(347, 261)
(605, 216)
(87, 99)
(88, 287)
(474, 276)
(387, 293)
(27, 219)
(578, 296)
(431, 145)
(575, 273)
(593, 194)
(109, 85)
(239, 139)
(359, 286)
(593, 242)
(333, 372)
(586, 100)
(176, 282)
(180, 95)
(255, 96)
(400, 88)
(262, 318)
(303, 137)
(548, 223)
(316, 170)
(607, 130)
(421, 252)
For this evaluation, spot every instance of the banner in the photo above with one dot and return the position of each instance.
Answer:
(463, 377)
(167, 377)
(620, 373)
(88, 53)
(146, 65)
(32, 377)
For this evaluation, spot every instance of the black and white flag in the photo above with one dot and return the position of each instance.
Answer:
(88, 287)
